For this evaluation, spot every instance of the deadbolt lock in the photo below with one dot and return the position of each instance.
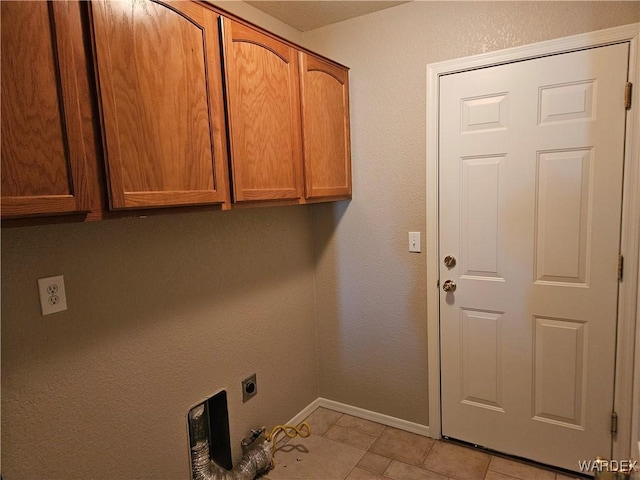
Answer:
(449, 286)
(450, 261)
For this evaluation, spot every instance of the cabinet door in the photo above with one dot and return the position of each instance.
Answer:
(43, 154)
(263, 96)
(160, 85)
(325, 127)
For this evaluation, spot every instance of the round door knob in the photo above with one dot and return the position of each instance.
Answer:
(450, 261)
(449, 286)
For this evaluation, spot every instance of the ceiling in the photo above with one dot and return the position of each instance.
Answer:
(306, 15)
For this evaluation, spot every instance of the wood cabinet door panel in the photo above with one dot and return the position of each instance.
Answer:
(264, 116)
(43, 156)
(161, 94)
(325, 117)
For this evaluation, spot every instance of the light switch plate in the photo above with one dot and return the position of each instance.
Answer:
(53, 297)
(414, 242)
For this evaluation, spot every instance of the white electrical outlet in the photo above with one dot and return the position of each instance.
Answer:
(53, 297)
(414, 242)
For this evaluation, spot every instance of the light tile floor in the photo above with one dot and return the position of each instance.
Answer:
(343, 447)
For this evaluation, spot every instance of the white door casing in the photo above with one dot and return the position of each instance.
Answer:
(491, 254)
(531, 160)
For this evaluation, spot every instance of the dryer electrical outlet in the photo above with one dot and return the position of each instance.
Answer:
(249, 387)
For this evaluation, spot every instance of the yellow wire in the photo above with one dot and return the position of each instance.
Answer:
(303, 430)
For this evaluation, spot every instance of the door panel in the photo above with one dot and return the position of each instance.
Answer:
(563, 211)
(481, 216)
(482, 360)
(531, 157)
(560, 365)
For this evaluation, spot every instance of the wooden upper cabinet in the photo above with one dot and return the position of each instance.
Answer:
(263, 97)
(43, 153)
(325, 125)
(160, 86)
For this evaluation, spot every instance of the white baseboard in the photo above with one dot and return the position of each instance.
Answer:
(305, 412)
(361, 413)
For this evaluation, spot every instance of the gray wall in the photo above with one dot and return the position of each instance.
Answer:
(370, 291)
(163, 312)
(167, 310)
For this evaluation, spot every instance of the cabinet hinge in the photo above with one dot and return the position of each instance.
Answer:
(620, 267)
(614, 423)
(627, 95)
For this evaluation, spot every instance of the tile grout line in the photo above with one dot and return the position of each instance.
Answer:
(422, 466)
(352, 428)
(486, 472)
(324, 436)
(355, 466)
(427, 456)
(375, 437)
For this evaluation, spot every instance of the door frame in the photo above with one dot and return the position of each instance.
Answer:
(627, 386)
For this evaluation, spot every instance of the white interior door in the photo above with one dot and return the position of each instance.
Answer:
(531, 166)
